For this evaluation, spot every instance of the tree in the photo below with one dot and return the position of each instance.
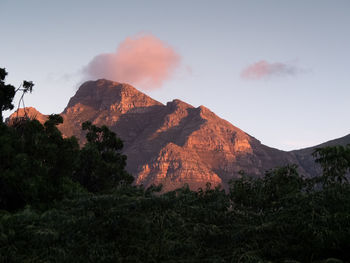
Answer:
(101, 166)
(37, 163)
(7, 93)
(27, 86)
(335, 163)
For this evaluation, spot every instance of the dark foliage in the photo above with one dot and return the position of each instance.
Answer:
(279, 218)
(36, 163)
(7, 92)
(335, 162)
(101, 165)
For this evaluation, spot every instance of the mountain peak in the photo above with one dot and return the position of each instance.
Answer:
(105, 94)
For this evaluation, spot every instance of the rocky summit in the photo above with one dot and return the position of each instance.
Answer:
(172, 144)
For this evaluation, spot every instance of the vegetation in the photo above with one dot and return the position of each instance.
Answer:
(7, 92)
(62, 203)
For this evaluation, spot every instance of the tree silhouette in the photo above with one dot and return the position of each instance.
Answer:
(101, 166)
(27, 86)
(335, 163)
(7, 93)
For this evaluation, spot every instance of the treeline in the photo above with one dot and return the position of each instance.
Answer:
(63, 203)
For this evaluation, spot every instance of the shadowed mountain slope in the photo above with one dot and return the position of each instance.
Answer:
(307, 161)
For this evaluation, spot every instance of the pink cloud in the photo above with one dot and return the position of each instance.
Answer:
(144, 61)
(263, 69)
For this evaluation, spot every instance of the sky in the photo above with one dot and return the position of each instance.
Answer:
(279, 70)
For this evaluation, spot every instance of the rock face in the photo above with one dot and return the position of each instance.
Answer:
(172, 144)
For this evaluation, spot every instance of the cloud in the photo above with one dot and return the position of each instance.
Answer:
(264, 70)
(143, 60)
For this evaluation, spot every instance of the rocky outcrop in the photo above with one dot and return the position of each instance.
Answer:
(28, 112)
(172, 144)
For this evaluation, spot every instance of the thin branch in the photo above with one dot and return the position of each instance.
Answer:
(19, 88)
(19, 103)
(24, 108)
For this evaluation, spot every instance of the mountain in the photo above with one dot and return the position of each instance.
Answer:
(172, 144)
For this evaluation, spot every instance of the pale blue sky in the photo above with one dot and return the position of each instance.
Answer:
(49, 42)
